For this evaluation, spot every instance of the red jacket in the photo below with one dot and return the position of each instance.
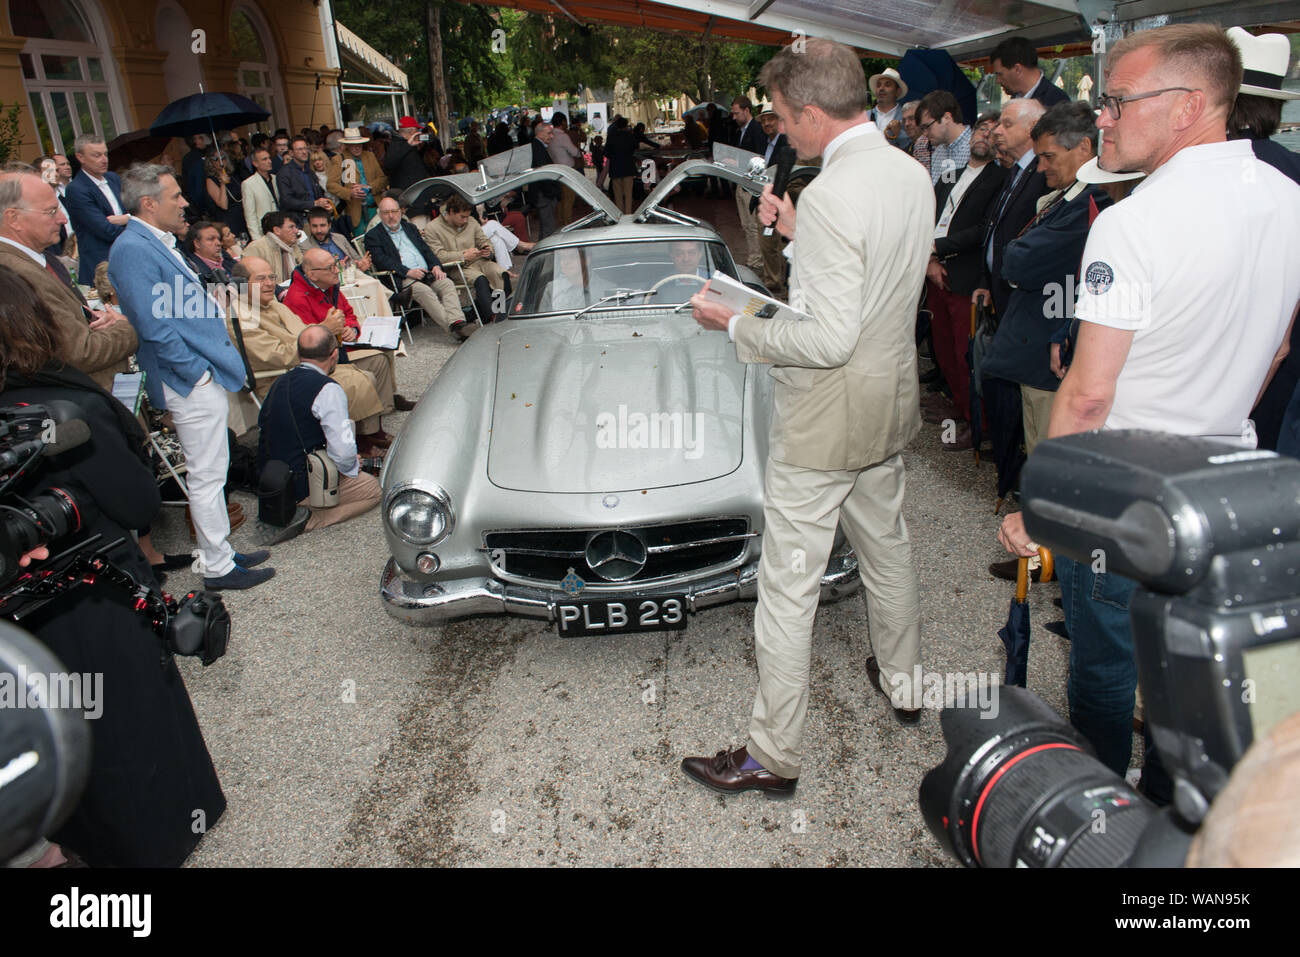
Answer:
(310, 303)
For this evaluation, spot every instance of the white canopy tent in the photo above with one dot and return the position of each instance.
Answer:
(968, 29)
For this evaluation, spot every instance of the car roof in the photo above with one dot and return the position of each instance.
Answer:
(626, 230)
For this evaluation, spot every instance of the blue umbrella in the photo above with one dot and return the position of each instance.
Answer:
(1015, 633)
(206, 113)
(926, 70)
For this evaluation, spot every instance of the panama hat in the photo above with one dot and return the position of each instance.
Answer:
(1264, 61)
(1091, 172)
(889, 74)
(354, 135)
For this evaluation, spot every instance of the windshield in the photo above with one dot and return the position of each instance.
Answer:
(566, 280)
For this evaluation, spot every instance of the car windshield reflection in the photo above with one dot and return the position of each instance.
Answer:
(573, 278)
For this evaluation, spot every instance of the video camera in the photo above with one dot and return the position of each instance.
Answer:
(197, 624)
(1211, 533)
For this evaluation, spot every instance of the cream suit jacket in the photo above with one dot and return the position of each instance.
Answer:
(258, 201)
(846, 393)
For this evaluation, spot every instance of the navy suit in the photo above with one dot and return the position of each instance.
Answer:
(753, 138)
(1008, 215)
(1049, 94)
(88, 211)
(383, 251)
(1037, 265)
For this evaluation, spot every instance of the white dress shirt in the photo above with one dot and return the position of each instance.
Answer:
(108, 194)
(331, 411)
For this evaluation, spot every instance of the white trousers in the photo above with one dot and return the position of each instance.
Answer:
(801, 510)
(200, 420)
(503, 242)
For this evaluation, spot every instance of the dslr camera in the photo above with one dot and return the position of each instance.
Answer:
(1211, 534)
(196, 625)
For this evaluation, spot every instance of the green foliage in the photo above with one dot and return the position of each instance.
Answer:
(10, 134)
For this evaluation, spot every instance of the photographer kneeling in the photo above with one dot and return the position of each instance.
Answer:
(306, 411)
(152, 790)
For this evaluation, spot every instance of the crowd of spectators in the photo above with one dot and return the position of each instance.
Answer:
(1032, 214)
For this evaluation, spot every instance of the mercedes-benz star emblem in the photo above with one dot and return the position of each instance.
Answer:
(616, 555)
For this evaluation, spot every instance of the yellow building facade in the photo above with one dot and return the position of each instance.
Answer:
(110, 66)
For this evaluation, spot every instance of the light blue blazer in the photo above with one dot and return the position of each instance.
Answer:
(181, 328)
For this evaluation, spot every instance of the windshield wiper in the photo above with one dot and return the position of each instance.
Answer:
(620, 296)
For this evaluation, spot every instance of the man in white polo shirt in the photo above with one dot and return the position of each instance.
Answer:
(1189, 289)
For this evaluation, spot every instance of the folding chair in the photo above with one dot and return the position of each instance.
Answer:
(466, 292)
(399, 300)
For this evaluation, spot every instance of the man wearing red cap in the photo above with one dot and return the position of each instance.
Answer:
(402, 162)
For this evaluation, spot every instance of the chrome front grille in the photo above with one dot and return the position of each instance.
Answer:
(670, 551)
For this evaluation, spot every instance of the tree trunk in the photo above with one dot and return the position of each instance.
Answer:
(437, 76)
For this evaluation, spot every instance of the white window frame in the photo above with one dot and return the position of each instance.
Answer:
(35, 48)
(269, 92)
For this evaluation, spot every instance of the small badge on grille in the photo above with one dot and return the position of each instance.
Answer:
(571, 584)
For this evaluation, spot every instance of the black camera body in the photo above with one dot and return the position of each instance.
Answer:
(1211, 532)
(197, 625)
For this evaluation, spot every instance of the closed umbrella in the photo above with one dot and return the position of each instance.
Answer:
(1015, 633)
(981, 334)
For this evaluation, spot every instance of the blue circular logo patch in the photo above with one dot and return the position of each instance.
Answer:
(1098, 277)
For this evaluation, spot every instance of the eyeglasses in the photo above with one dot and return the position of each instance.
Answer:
(52, 212)
(925, 127)
(1112, 103)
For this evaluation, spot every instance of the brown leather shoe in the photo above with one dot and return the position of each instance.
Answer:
(904, 715)
(402, 404)
(722, 773)
(379, 439)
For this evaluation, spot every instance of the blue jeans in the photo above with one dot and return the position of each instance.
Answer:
(1103, 669)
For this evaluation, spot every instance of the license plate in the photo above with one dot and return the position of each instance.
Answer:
(621, 617)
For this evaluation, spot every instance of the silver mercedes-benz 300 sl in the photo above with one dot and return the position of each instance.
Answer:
(596, 460)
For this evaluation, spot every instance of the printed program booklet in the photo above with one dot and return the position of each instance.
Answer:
(739, 298)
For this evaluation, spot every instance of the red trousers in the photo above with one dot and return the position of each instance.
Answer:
(950, 324)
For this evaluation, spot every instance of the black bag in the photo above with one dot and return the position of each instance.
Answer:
(276, 495)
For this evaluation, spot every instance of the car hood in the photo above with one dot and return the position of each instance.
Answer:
(611, 405)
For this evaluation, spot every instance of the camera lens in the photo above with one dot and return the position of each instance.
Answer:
(1021, 790)
(44, 518)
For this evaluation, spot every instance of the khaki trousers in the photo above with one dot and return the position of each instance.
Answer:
(774, 264)
(1036, 411)
(802, 508)
(439, 301)
(357, 493)
(623, 193)
(381, 367)
(752, 256)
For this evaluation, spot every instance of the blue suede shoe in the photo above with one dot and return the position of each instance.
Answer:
(252, 559)
(239, 578)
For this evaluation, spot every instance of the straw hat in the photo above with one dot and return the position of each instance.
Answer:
(1264, 61)
(1091, 172)
(354, 135)
(889, 74)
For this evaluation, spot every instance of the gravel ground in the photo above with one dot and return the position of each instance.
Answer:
(343, 737)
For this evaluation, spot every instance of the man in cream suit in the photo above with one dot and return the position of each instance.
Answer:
(260, 193)
(845, 405)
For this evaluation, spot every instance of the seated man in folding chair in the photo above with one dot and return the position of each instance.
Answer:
(314, 297)
(462, 247)
(396, 246)
(270, 330)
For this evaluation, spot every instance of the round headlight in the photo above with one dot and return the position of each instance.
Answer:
(420, 517)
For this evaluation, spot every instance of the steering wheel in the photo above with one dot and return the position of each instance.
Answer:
(667, 279)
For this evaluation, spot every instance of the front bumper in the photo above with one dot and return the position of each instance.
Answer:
(431, 603)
